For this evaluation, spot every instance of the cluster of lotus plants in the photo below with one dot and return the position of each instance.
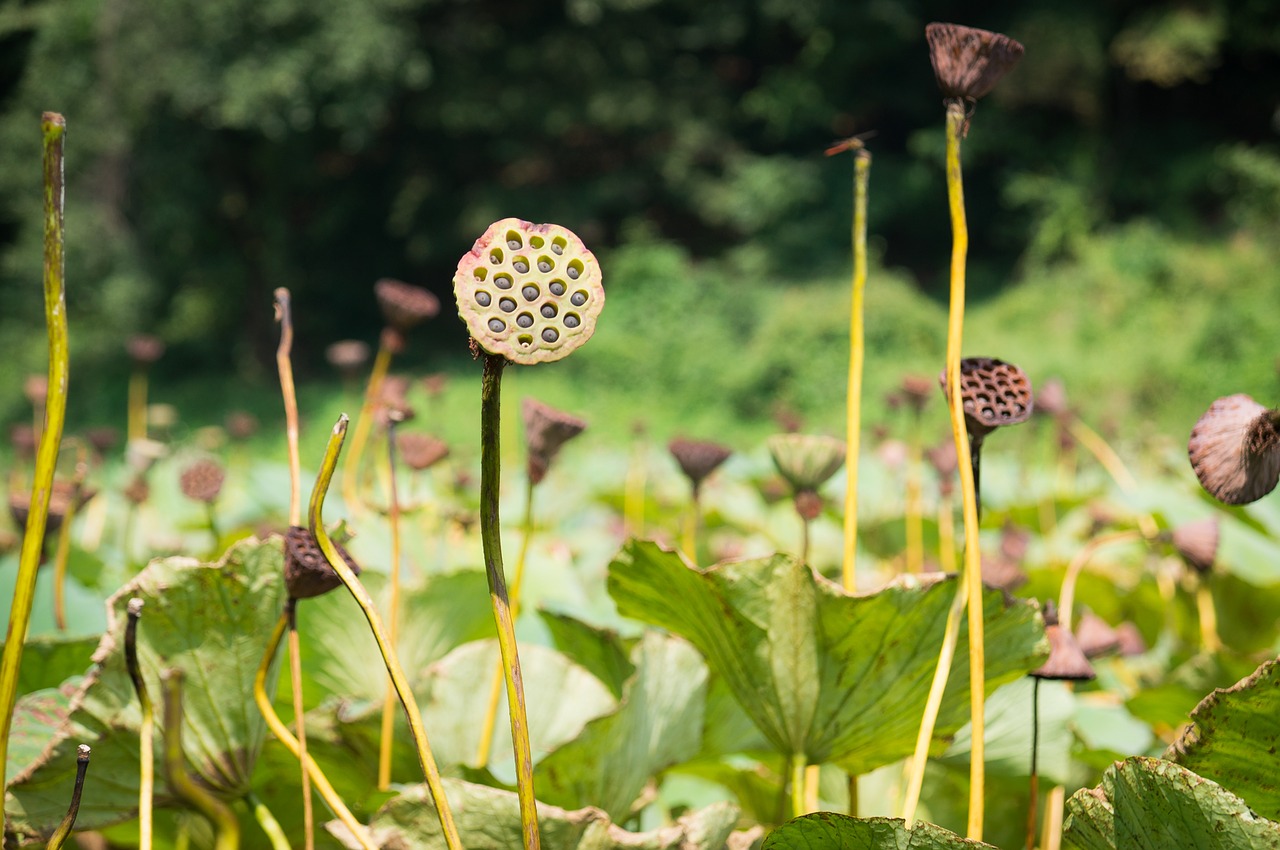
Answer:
(812, 642)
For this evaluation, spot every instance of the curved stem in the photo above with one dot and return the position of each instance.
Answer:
(857, 348)
(226, 825)
(53, 127)
(63, 831)
(1101, 450)
(268, 822)
(351, 467)
(393, 613)
(284, 364)
(491, 538)
(282, 733)
(300, 721)
(1066, 600)
(429, 770)
(146, 731)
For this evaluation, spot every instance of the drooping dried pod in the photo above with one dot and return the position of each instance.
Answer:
(807, 461)
(23, 439)
(968, 62)
(1051, 398)
(404, 305)
(348, 356)
(529, 292)
(993, 393)
(144, 349)
(62, 495)
(1066, 660)
(202, 480)
(1095, 635)
(545, 431)
(137, 490)
(306, 571)
(103, 438)
(1130, 639)
(1014, 541)
(916, 390)
(942, 458)
(1002, 572)
(421, 451)
(698, 458)
(1197, 543)
(1235, 450)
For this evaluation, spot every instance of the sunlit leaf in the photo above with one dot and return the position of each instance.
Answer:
(831, 831)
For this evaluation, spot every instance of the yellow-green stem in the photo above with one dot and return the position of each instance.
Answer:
(857, 348)
(284, 364)
(137, 427)
(1209, 638)
(1066, 600)
(812, 791)
(351, 467)
(55, 310)
(798, 765)
(63, 832)
(225, 823)
(946, 535)
(1051, 836)
(853, 795)
(972, 573)
(387, 732)
(146, 733)
(692, 520)
(282, 733)
(425, 758)
(1103, 452)
(914, 519)
(60, 558)
(633, 500)
(266, 820)
(491, 539)
(300, 721)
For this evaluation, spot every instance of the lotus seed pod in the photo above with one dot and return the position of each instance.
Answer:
(202, 480)
(1197, 543)
(1095, 635)
(144, 349)
(529, 292)
(807, 461)
(1130, 639)
(968, 62)
(404, 305)
(1001, 571)
(993, 392)
(421, 451)
(698, 458)
(1051, 398)
(1235, 450)
(306, 571)
(348, 356)
(1066, 660)
(545, 431)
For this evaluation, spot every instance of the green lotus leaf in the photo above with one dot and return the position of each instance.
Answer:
(657, 724)
(49, 660)
(489, 819)
(806, 460)
(211, 621)
(823, 674)
(602, 651)
(831, 831)
(37, 717)
(1151, 803)
(1230, 731)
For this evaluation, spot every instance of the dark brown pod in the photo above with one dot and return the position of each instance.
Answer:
(202, 480)
(1066, 660)
(968, 62)
(993, 393)
(1197, 543)
(1002, 572)
(545, 431)
(306, 571)
(1235, 450)
(421, 451)
(698, 458)
(1095, 635)
(404, 305)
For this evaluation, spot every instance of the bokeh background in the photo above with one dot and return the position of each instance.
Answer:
(1123, 187)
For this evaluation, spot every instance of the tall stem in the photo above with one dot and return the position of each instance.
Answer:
(798, 764)
(146, 734)
(284, 364)
(393, 613)
(299, 720)
(491, 538)
(1066, 600)
(226, 824)
(857, 346)
(691, 522)
(63, 831)
(1209, 637)
(266, 820)
(914, 518)
(53, 127)
(137, 425)
(1035, 777)
(425, 758)
(351, 468)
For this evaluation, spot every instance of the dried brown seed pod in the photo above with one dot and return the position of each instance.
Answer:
(1051, 398)
(1235, 450)
(103, 438)
(144, 349)
(404, 305)
(1002, 572)
(137, 490)
(1095, 635)
(61, 496)
(435, 383)
(202, 480)
(807, 461)
(968, 62)
(529, 292)
(916, 390)
(808, 504)
(1130, 639)
(1014, 541)
(348, 356)
(1197, 543)
(943, 459)
(545, 431)
(697, 458)
(241, 424)
(421, 451)
(306, 571)
(993, 393)
(36, 389)
(1066, 660)
(24, 440)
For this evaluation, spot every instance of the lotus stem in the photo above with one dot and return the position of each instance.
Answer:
(300, 721)
(387, 732)
(857, 350)
(268, 822)
(429, 770)
(226, 825)
(1066, 599)
(284, 364)
(491, 538)
(53, 127)
(914, 519)
(1101, 450)
(946, 535)
(692, 519)
(812, 791)
(804, 540)
(1051, 836)
(146, 730)
(1208, 616)
(1035, 747)
(63, 554)
(277, 727)
(351, 467)
(633, 499)
(63, 831)
(137, 427)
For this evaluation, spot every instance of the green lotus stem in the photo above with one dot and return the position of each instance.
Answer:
(1035, 747)
(1103, 452)
(1051, 836)
(933, 703)
(53, 127)
(146, 733)
(812, 791)
(182, 841)
(946, 535)
(633, 497)
(495, 685)
(268, 822)
(284, 365)
(853, 795)
(393, 613)
(282, 733)
(63, 831)
(857, 353)
(692, 519)
(491, 539)
(1066, 598)
(804, 540)
(1208, 617)
(226, 825)
(137, 427)
(914, 519)
(798, 764)
(429, 770)
(60, 559)
(351, 467)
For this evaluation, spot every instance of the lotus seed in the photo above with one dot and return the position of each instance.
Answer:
(497, 326)
(502, 282)
(530, 293)
(578, 298)
(556, 287)
(574, 272)
(495, 257)
(550, 335)
(544, 266)
(513, 244)
(557, 247)
(483, 299)
(549, 311)
(520, 266)
(524, 320)
(572, 321)
(507, 305)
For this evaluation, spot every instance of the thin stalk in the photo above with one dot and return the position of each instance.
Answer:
(798, 765)
(804, 540)
(60, 559)
(633, 500)
(266, 820)
(975, 462)
(491, 538)
(211, 517)
(351, 467)
(1101, 450)
(972, 573)
(914, 519)
(946, 535)
(1035, 747)
(857, 349)
(282, 733)
(853, 795)
(53, 127)
(429, 770)
(63, 832)
(1208, 616)
(393, 613)
(812, 780)
(226, 825)
(137, 427)
(146, 733)
(1066, 599)
(300, 721)
(284, 364)
(1051, 837)
(495, 685)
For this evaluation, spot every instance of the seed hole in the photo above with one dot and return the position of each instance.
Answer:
(502, 281)
(495, 256)
(525, 340)
(536, 241)
(483, 298)
(524, 320)
(497, 325)
(521, 265)
(550, 335)
(571, 320)
(575, 269)
(481, 273)
(557, 287)
(545, 264)
(513, 240)
(530, 292)
(549, 311)
(557, 245)
(507, 304)
(578, 298)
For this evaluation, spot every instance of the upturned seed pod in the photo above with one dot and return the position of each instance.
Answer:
(807, 461)
(1066, 660)
(404, 305)
(1235, 450)
(348, 356)
(1197, 543)
(529, 292)
(202, 480)
(306, 572)
(144, 349)
(968, 62)
(994, 393)
(421, 451)
(698, 458)
(545, 431)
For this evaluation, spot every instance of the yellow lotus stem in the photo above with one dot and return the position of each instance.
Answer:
(946, 535)
(351, 468)
(914, 519)
(857, 349)
(137, 427)
(1208, 617)
(1101, 450)
(146, 733)
(689, 539)
(1066, 599)
(1051, 836)
(633, 499)
(798, 765)
(387, 732)
(60, 559)
(299, 720)
(266, 820)
(284, 364)
(812, 778)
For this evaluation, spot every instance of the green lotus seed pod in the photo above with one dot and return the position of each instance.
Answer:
(806, 460)
(529, 292)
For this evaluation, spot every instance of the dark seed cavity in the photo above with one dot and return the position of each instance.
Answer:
(507, 304)
(550, 335)
(495, 256)
(513, 244)
(502, 281)
(578, 298)
(571, 320)
(483, 298)
(524, 320)
(530, 293)
(557, 246)
(549, 311)
(574, 271)
(521, 266)
(556, 287)
(536, 241)
(497, 326)
(544, 266)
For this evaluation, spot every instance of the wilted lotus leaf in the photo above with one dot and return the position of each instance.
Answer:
(823, 674)
(1148, 802)
(968, 62)
(806, 460)
(529, 292)
(830, 829)
(1235, 449)
(211, 621)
